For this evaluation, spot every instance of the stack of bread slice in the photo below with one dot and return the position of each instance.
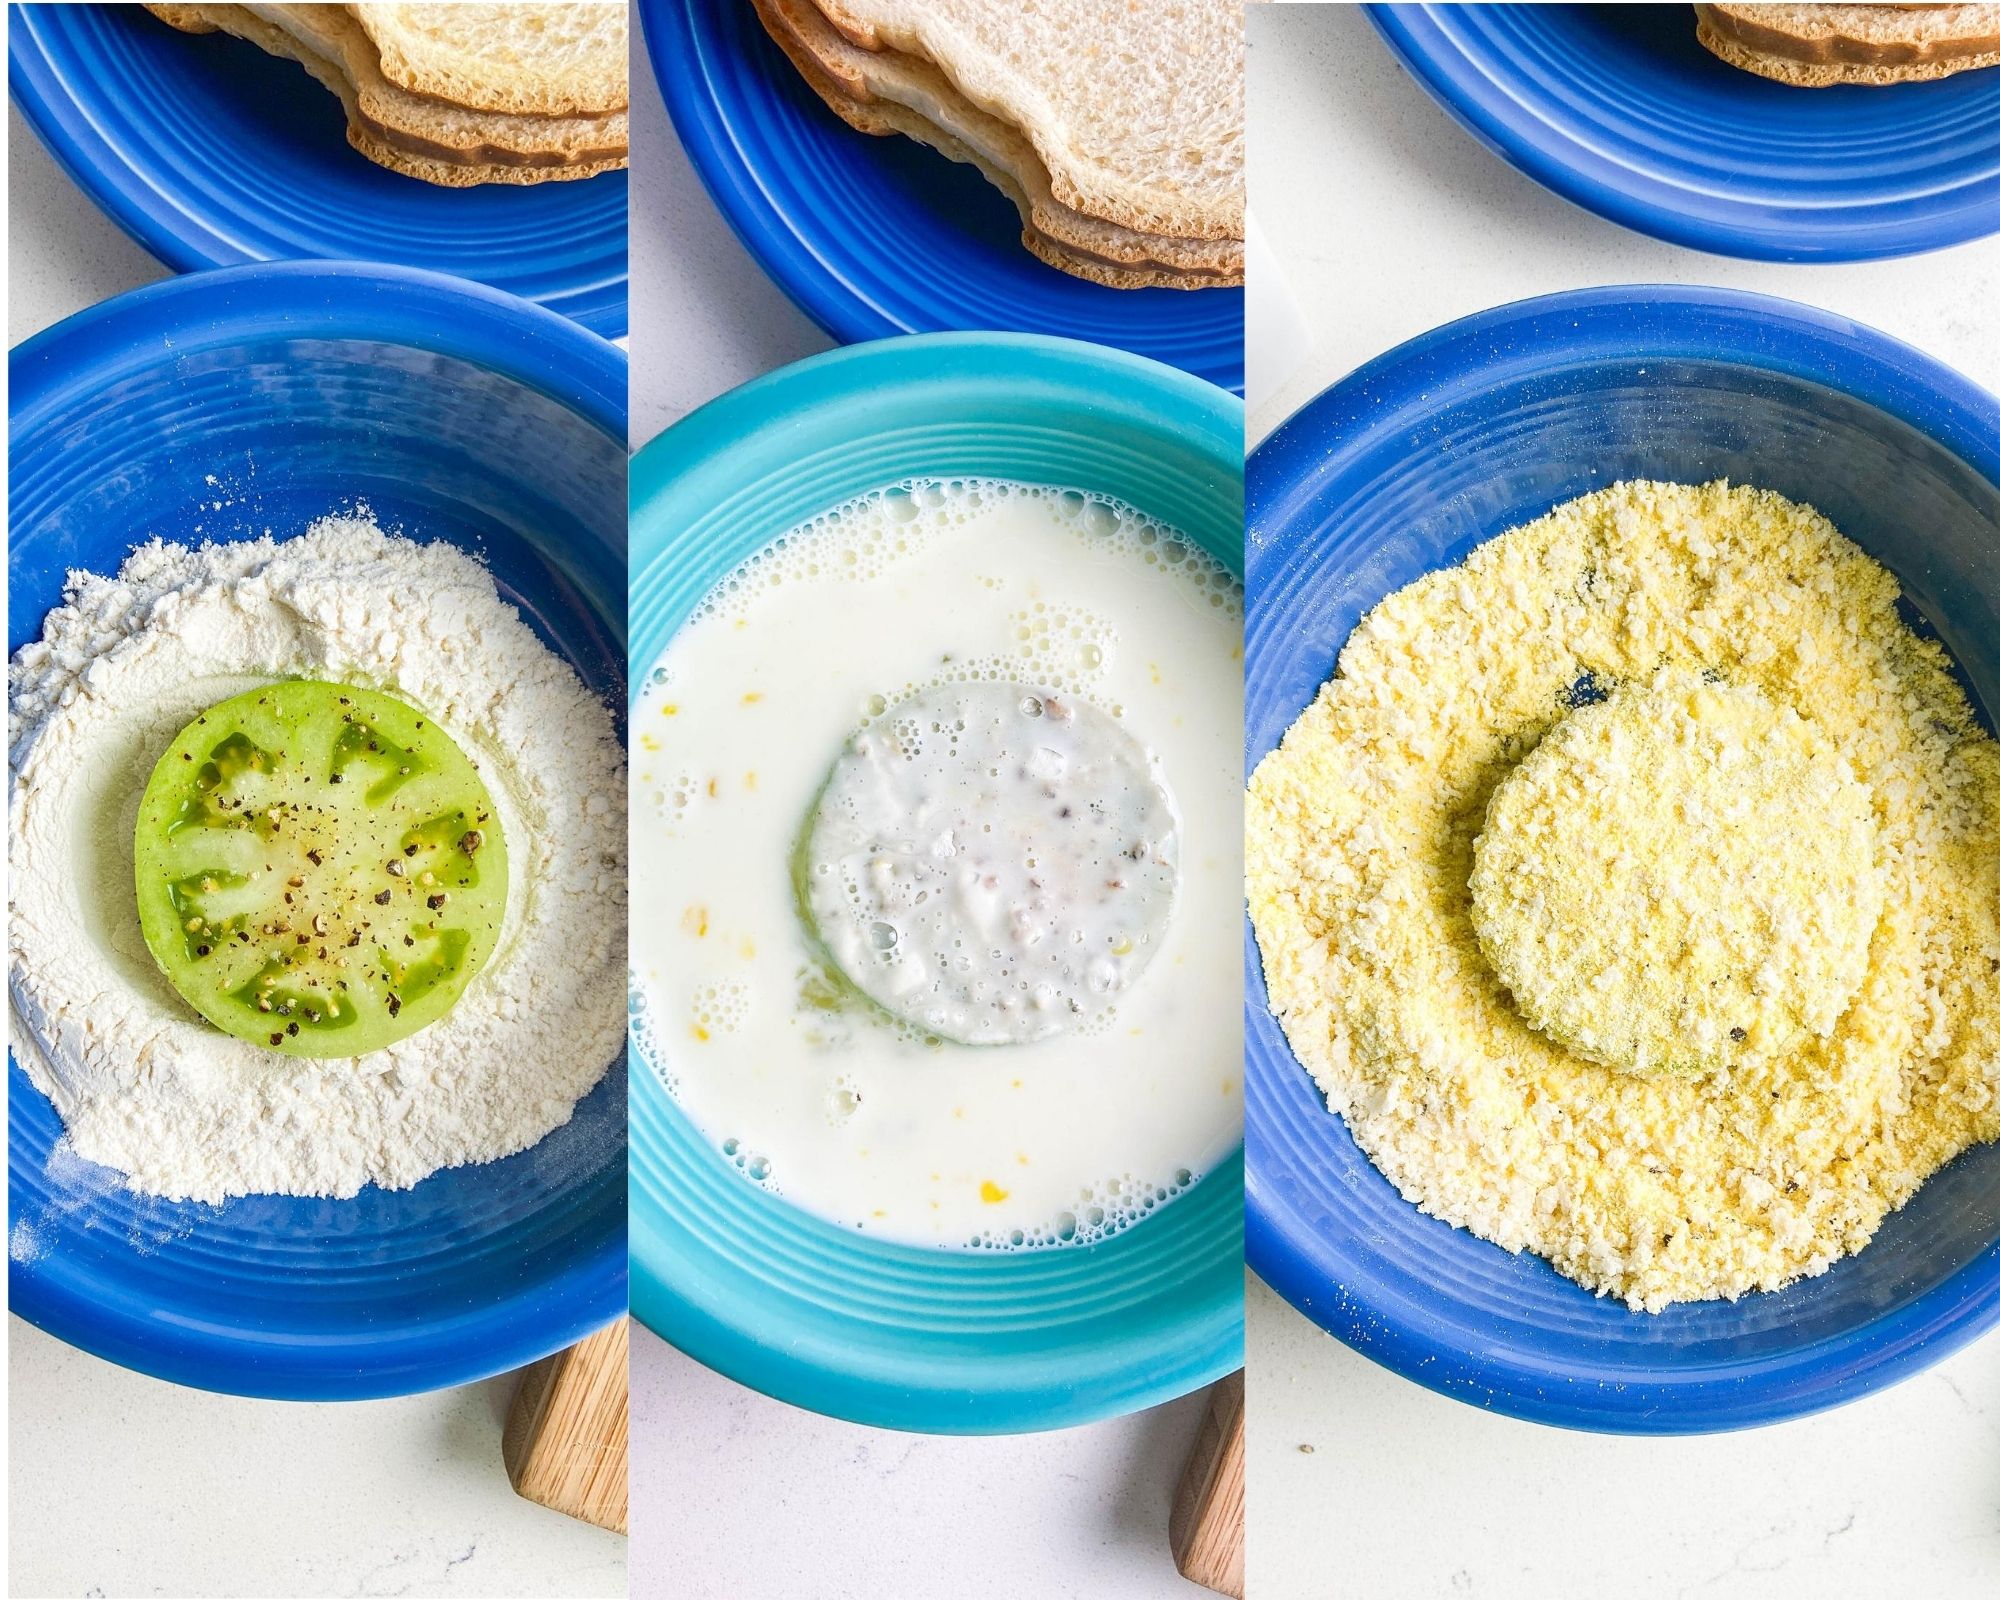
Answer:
(1116, 129)
(455, 94)
(1816, 46)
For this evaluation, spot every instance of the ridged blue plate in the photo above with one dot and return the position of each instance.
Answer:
(874, 237)
(1402, 468)
(1617, 108)
(942, 1341)
(210, 153)
(288, 391)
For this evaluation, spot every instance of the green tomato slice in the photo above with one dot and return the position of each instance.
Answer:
(320, 869)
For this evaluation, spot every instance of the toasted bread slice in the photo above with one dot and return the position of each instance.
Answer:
(431, 127)
(441, 166)
(872, 77)
(1814, 46)
(527, 58)
(1136, 110)
(886, 118)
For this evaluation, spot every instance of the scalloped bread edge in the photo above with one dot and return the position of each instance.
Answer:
(442, 167)
(873, 79)
(396, 116)
(1077, 180)
(886, 119)
(1818, 46)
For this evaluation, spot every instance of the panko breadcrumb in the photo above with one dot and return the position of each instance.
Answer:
(1654, 1187)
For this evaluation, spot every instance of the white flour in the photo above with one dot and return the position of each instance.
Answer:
(146, 1086)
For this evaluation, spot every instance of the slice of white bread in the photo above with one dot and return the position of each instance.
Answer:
(1134, 106)
(432, 127)
(886, 118)
(445, 168)
(547, 60)
(1814, 46)
(874, 77)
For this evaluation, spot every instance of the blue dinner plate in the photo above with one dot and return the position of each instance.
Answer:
(872, 237)
(1617, 108)
(1402, 468)
(286, 391)
(210, 153)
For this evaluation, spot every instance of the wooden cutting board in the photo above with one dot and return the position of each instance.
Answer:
(565, 1443)
(1206, 1527)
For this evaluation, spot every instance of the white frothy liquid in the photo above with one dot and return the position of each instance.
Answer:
(1102, 1000)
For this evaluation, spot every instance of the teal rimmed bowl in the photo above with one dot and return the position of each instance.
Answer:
(900, 1336)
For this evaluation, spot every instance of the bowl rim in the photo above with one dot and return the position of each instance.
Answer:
(416, 308)
(1385, 399)
(1512, 129)
(918, 1389)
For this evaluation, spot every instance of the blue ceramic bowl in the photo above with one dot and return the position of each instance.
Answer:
(1402, 468)
(896, 1335)
(210, 153)
(875, 237)
(1619, 109)
(462, 414)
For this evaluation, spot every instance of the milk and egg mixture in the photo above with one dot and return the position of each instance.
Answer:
(937, 859)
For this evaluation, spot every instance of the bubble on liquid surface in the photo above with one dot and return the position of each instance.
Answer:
(843, 1100)
(645, 1034)
(1100, 1211)
(721, 1007)
(860, 539)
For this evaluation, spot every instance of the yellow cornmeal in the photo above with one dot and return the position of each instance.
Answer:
(1680, 878)
(1662, 1186)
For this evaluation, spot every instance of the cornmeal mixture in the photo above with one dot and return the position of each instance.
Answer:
(1633, 890)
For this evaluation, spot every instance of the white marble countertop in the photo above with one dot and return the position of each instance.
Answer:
(123, 1485)
(1361, 1483)
(704, 317)
(1388, 219)
(120, 1484)
(736, 1492)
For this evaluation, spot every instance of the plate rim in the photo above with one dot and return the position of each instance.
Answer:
(55, 117)
(1541, 154)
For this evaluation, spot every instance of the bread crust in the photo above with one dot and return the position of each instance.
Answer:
(446, 166)
(465, 175)
(432, 128)
(186, 18)
(1829, 53)
(889, 78)
(887, 119)
(1077, 179)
